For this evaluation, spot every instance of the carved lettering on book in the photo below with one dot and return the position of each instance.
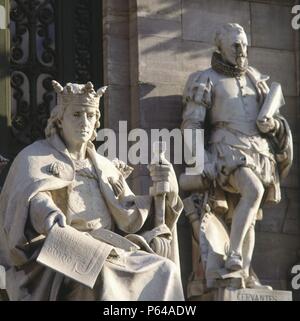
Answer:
(75, 254)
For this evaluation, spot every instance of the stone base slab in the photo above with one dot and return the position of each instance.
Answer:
(2, 278)
(253, 295)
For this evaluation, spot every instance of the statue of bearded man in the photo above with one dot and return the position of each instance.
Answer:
(245, 158)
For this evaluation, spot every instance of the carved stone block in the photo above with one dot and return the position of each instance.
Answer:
(201, 18)
(253, 295)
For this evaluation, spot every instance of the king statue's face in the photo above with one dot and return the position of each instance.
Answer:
(78, 124)
(234, 49)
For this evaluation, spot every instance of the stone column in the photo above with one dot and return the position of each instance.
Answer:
(116, 62)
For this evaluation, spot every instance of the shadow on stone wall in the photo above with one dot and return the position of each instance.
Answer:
(164, 112)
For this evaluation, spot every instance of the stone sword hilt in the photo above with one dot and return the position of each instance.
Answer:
(160, 188)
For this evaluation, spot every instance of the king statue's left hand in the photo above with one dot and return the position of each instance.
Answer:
(267, 126)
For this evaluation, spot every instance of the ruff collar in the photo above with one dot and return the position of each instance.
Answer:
(220, 66)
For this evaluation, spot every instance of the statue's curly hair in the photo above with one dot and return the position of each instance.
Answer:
(56, 116)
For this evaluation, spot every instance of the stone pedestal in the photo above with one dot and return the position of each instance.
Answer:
(2, 278)
(253, 295)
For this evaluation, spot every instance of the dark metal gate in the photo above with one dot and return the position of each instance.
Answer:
(50, 39)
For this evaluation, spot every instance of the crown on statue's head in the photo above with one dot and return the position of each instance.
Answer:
(77, 94)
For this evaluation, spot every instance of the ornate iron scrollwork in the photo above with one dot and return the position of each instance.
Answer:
(33, 66)
(82, 39)
(39, 54)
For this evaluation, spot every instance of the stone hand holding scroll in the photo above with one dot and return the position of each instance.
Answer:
(274, 100)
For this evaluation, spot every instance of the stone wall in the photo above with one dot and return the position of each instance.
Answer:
(150, 49)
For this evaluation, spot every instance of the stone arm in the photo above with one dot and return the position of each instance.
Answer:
(278, 131)
(135, 209)
(160, 238)
(130, 213)
(41, 207)
(197, 99)
(282, 142)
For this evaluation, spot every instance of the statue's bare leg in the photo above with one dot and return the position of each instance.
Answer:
(248, 248)
(251, 191)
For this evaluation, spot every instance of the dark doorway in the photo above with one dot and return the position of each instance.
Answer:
(50, 39)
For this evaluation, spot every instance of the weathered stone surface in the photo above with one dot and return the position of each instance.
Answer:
(186, 57)
(117, 49)
(157, 50)
(289, 111)
(116, 62)
(201, 18)
(291, 226)
(294, 204)
(279, 64)
(292, 219)
(117, 73)
(141, 184)
(163, 111)
(292, 180)
(115, 7)
(274, 254)
(185, 240)
(116, 27)
(163, 76)
(116, 18)
(282, 218)
(118, 101)
(278, 2)
(273, 216)
(159, 27)
(161, 18)
(157, 9)
(271, 26)
(196, 55)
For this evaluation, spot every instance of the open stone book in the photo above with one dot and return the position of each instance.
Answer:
(75, 254)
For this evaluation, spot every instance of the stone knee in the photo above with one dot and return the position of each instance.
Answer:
(250, 187)
(255, 193)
